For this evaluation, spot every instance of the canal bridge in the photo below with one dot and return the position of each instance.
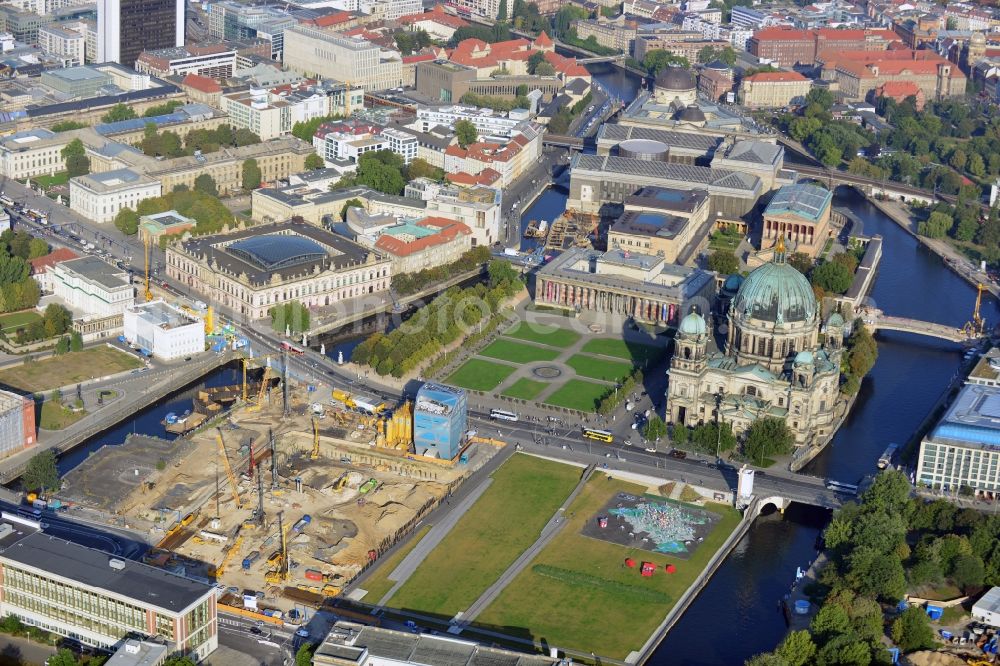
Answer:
(879, 321)
(619, 59)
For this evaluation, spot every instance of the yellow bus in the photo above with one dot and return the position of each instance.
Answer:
(599, 435)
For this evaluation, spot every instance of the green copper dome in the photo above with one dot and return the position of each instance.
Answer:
(693, 324)
(776, 292)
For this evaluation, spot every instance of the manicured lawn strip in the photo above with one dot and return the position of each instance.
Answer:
(15, 320)
(566, 613)
(577, 394)
(637, 353)
(71, 368)
(516, 352)
(56, 417)
(378, 583)
(480, 375)
(597, 368)
(60, 178)
(525, 389)
(504, 521)
(544, 334)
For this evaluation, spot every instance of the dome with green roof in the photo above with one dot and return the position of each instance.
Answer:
(693, 324)
(776, 292)
(804, 357)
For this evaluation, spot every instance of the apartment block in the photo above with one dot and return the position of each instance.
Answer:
(311, 51)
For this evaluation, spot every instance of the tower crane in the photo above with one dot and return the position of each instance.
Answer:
(229, 469)
(145, 246)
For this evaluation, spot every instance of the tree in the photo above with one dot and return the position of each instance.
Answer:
(41, 472)
(821, 96)
(832, 277)
(830, 621)
(305, 654)
(118, 112)
(797, 649)
(466, 133)
(768, 437)
(968, 572)
(658, 59)
(178, 661)
(680, 435)
(545, 69)
(502, 272)
(350, 203)
(912, 630)
(655, 428)
(801, 262)
(245, 137)
(314, 161)
(206, 184)
(127, 221)
(64, 657)
(251, 175)
(77, 162)
(976, 166)
(382, 171)
(723, 262)
(56, 320)
(502, 11)
(75, 341)
(421, 168)
(37, 248)
(535, 60)
(74, 147)
(889, 492)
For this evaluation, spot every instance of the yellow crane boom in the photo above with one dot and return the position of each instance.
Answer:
(229, 469)
(145, 246)
(227, 558)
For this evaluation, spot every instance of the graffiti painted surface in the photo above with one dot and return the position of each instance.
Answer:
(656, 525)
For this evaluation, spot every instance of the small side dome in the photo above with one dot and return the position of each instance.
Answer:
(804, 358)
(835, 320)
(733, 283)
(693, 325)
(691, 114)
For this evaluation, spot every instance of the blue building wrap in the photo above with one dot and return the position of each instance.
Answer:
(439, 420)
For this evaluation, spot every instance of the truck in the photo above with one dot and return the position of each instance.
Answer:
(362, 403)
(511, 252)
(249, 560)
(302, 522)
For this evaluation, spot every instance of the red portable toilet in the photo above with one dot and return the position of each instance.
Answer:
(648, 569)
(629, 562)
(670, 568)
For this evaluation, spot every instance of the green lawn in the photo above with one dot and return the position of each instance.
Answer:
(564, 614)
(545, 334)
(596, 368)
(60, 178)
(378, 583)
(518, 352)
(525, 493)
(56, 417)
(71, 368)
(480, 375)
(525, 389)
(578, 394)
(15, 320)
(635, 352)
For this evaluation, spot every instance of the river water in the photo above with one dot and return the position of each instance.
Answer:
(737, 616)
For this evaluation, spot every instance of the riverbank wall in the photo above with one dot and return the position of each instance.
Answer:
(950, 256)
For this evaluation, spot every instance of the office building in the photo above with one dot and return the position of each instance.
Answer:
(801, 215)
(100, 196)
(859, 73)
(352, 644)
(315, 52)
(215, 61)
(31, 153)
(439, 421)
(787, 47)
(253, 270)
(961, 454)
(772, 90)
(64, 42)
(76, 82)
(164, 331)
(100, 599)
(91, 287)
(126, 28)
(153, 227)
(17, 423)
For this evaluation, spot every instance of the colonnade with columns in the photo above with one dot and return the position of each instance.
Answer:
(598, 299)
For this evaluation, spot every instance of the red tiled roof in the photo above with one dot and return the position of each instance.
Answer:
(201, 83)
(775, 77)
(544, 40)
(41, 264)
(332, 19)
(419, 57)
(437, 14)
(447, 231)
(898, 89)
(783, 34)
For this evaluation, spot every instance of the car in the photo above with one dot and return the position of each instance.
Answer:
(255, 630)
(650, 449)
(302, 632)
(680, 455)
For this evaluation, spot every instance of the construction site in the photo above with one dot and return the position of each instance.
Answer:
(279, 489)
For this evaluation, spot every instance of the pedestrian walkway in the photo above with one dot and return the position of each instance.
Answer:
(415, 557)
(549, 532)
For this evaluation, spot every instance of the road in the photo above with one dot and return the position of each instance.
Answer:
(268, 645)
